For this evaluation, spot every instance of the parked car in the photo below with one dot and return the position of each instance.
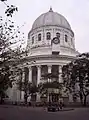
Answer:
(53, 107)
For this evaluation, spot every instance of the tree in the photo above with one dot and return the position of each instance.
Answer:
(10, 9)
(5, 82)
(11, 41)
(25, 85)
(48, 88)
(75, 74)
(28, 89)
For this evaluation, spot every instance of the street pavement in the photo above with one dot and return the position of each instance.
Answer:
(29, 113)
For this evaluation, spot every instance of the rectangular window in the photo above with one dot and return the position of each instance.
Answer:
(66, 38)
(39, 37)
(48, 35)
(55, 53)
(58, 35)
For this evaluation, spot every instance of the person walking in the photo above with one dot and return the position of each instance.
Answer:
(61, 105)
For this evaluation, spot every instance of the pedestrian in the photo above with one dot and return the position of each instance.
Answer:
(33, 103)
(29, 100)
(44, 105)
(61, 105)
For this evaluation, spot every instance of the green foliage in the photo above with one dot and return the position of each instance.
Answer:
(33, 89)
(10, 9)
(11, 51)
(25, 85)
(3, 0)
(5, 82)
(11, 42)
(77, 72)
(54, 84)
(49, 87)
(50, 75)
(44, 88)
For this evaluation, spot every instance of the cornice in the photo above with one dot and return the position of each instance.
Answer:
(39, 57)
(43, 57)
(51, 26)
(50, 46)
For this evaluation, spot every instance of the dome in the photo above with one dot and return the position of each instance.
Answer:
(51, 18)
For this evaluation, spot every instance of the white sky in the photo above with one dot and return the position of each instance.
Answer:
(75, 11)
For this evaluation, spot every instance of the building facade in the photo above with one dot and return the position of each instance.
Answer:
(50, 45)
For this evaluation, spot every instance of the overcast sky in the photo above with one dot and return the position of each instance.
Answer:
(75, 11)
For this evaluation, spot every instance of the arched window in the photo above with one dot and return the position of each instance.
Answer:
(58, 35)
(32, 39)
(66, 38)
(48, 35)
(39, 37)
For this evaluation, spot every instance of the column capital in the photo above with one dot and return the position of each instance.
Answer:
(29, 67)
(23, 70)
(49, 65)
(60, 69)
(38, 66)
(60, 66)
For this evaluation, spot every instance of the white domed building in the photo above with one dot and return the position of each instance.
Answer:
(50, 45)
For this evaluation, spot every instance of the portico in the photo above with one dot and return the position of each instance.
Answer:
(36, 72)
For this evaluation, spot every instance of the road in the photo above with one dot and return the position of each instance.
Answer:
(24, 113)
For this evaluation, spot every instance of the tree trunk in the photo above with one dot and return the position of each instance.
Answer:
(1, 100)
(85, 100)
(81, 98)
(25, 98)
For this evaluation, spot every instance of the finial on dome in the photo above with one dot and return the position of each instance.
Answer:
(50, 9)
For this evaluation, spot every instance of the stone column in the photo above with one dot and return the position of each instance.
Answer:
(70, 97)
(23, 75)
(38, 81)
(23, 79)
(22, 96)
(38, 97)
(14, 93)
(30, 74)
(49, 71)
(60, 74)
(49, 68)
(38, 74)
